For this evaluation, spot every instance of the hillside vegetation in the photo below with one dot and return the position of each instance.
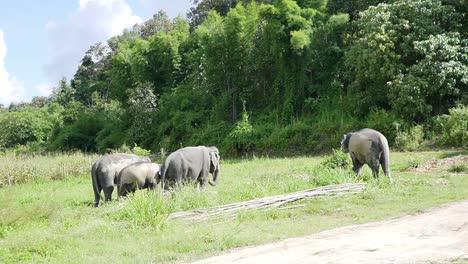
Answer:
(279, 77)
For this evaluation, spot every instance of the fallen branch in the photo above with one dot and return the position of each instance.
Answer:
(270, 201)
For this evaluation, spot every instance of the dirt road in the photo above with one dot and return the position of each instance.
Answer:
(438, 235)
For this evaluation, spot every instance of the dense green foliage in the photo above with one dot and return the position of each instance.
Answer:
(270, 77)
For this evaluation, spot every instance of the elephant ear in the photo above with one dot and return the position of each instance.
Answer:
(343, 139)
(158, 177)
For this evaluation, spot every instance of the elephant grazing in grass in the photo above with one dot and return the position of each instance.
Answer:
(105, 170)
(140, 175)
(367, 146)
(191, 164)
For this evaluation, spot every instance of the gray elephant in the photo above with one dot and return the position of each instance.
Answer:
(367, 146)
(191, 164)
(105, 170)
(140, 175)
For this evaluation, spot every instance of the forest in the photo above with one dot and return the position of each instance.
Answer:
(275, 78)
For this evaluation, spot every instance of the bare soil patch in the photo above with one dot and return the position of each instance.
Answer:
(443, 164)
(438, 235)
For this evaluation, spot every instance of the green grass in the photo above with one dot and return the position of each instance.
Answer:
(51, 220)
(21, 168)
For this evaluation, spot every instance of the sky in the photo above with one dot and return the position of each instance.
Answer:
(43, 41)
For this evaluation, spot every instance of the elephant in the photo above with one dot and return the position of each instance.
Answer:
(367, 146)
(139, 175)
(191, 164)
(105, 170)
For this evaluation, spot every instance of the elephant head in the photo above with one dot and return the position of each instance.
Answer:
(345, 142)
(214, 164)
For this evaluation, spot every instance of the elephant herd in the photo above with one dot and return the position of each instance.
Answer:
(130, 172)
(193, 164)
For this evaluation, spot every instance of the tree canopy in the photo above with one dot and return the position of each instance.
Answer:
(275, 77)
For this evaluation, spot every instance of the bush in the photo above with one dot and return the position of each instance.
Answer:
(385, 122)
(80, 135)
(453, 128)
(297, 137)
(409, 140)
(25, 126)
(140, 151)
(337, 160)
(458, 168)
(243, 134)
(147, 209)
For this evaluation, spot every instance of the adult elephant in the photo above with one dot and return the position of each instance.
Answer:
(105, 171)
(367, 146)
(140, 175)
(191, 164)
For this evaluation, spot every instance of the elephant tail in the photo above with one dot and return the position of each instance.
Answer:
(385, 159)
(97, 191)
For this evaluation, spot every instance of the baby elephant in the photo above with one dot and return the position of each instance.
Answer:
(140, 175)
(367, 146)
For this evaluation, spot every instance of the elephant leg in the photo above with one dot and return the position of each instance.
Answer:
(122, 190)
(357, 167)
(132, 189)
(375, 171)
(108, 193)
(374, 165)
(97, 196)
(168, 185)
(202, 179)
(384, 165)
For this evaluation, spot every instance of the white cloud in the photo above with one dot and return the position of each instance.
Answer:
(44, 89)
(172, 7)
(93, 21)
(11, 90)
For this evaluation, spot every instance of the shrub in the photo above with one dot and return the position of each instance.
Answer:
(80, 135)
(385, 122)
(243, 134)
(140, 151)
(338, 159)
(297, 137)
(147, 209)
(27, 125)
(409, 140)
(453, 128)
(458, 168)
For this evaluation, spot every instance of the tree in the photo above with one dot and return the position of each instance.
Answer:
(159, 22)
(64, 93)
(393, 40)
(26, 125)
(142, 106)
(352, 7)
(434, 83)
(91, 75)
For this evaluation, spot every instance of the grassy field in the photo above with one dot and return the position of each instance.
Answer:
(46, 213)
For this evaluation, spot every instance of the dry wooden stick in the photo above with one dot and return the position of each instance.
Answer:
(270, 201)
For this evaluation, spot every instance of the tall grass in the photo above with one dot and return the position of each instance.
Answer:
(22, 168)
(245, 180)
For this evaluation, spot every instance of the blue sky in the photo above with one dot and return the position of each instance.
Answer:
(42, 41)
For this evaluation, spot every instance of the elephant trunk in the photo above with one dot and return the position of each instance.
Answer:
(215, 177)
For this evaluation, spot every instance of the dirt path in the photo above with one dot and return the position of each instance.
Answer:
(437, 235)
